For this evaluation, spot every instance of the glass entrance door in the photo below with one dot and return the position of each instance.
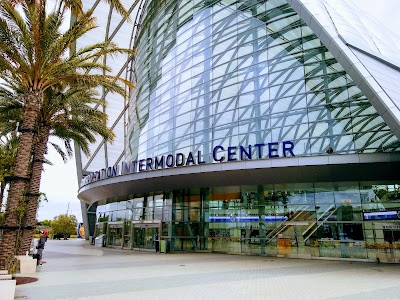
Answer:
(145, 236)
(115, 235)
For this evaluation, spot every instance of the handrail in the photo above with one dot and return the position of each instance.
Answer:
(283, 225)
(313, 223)
(319, 225)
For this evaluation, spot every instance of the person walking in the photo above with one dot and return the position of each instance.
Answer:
(40, 247)
(157, 241)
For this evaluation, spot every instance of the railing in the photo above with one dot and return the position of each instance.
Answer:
(319, 222)
(298, 214)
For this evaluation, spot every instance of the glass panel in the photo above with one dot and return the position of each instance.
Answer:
(115, 235)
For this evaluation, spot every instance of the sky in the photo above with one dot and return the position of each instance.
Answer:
(59, 182)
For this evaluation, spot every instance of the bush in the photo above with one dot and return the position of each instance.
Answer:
(64, 226)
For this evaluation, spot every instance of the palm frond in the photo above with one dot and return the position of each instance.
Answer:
(60, 151)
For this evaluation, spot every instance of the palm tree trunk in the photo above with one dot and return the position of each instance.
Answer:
(16, 206)
(34, 187)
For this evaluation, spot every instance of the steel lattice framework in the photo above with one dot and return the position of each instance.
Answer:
(239, 73)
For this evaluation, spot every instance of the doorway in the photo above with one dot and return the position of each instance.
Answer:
(115, 231)
(146, 236)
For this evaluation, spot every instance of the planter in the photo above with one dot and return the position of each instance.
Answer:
(7, 288)
(27, 265)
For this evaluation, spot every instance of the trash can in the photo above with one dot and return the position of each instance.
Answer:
(163, 246)
(99, 241)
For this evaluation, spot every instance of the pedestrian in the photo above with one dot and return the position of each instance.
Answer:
(157, 242)
(40, 246)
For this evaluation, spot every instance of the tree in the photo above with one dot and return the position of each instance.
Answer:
(8, 149)
(33, 61)
(64, 225)
(76, 6)
(69, 116)
(46, 223)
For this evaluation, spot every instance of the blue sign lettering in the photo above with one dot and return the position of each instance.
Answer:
(215, 153)
(233, 153)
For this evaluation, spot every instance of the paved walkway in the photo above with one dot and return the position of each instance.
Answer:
(74, 270)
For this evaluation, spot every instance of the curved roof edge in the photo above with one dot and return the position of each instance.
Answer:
(326, 168)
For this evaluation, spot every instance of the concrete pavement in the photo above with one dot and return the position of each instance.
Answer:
(75, 270)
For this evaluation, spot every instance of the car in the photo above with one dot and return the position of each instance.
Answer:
(60, 236)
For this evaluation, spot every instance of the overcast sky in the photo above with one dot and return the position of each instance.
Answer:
(59, 181)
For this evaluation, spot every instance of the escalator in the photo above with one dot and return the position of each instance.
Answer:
(298, 228)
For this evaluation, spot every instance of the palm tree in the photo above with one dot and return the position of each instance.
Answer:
(33, 58)
(8, 147)
(8, 141)
(68, 116)
(76, 6)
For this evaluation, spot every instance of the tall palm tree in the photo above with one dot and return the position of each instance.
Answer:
(33, 56)
(69, 116)
(8, 147)
(8, 141)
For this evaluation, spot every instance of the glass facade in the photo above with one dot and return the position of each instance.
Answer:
(358, 220)
(234, 73)
(242, 73)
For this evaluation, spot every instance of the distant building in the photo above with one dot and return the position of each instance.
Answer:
(258, 127)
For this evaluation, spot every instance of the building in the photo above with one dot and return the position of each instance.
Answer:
(256, 127)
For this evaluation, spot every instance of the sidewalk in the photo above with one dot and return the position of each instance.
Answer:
(74, 270)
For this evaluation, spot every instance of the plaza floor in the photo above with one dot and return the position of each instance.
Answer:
(75, 270)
